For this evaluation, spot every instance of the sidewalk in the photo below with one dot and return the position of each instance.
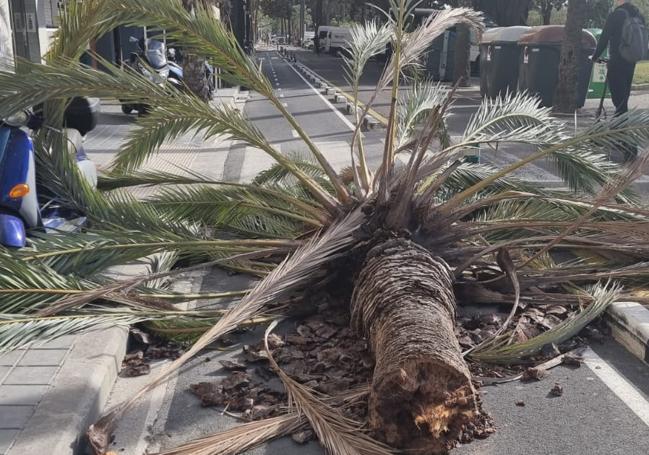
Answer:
(50, 393)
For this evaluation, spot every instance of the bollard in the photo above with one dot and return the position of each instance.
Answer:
(369, 123)
(339, 98)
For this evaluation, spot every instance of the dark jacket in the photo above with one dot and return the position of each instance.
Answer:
(612, 33)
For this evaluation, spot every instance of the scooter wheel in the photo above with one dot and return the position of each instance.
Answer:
(127, 109)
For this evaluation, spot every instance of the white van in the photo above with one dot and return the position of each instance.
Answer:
(339, 39)
(333, 39)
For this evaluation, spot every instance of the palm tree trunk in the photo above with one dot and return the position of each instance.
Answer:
(194, 66)
(195, 77)
(421, 395)
(565, 96)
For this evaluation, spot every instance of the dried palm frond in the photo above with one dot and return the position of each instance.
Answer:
(602, 295)
(337, 433)
(293, 273)
(242, 437)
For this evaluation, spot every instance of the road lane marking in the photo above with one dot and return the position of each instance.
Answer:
(294, 134)
(340, 115)
(624, 390)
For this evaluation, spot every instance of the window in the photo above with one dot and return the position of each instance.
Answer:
(53, 10)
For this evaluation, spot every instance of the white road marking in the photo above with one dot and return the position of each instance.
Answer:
(624, 390)
(340, 115)
(281, 95)
(285, 104)
(294, 134)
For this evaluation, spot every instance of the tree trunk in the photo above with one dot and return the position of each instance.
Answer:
(565, 96)
(194, 75)
(546, 12)
(421, 396)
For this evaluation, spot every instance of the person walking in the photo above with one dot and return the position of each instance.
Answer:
(621, 64)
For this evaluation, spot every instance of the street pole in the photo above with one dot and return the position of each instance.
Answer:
(302, 10)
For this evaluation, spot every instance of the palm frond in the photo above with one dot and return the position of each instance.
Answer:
(422, 98)
(415, 43)
(628, 130)
(585, 171)
(18, 331)
(602, 296)
(86, 254)
(367, 41)
(242, 438)
(337, 433)
(238, 208)
(293, 273)
(199, 32)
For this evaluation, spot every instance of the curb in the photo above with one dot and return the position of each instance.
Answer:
(644, 88)
(76, 396)
(629, 322)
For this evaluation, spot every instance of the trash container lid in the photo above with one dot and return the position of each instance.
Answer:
(512, 34)
(555, 34)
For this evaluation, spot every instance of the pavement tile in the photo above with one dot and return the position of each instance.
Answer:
(43, 357)
(11, 358)
(15, 417)
(30, 375)
(60, 343)
(22, 394)
(6, 439)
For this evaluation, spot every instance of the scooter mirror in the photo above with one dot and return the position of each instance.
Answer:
(17, 120)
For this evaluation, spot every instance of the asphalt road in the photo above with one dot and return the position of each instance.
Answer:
(604, 408)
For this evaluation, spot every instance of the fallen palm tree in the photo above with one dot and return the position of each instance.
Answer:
(403, 245)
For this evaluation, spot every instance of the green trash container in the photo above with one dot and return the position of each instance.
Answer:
(539, 64)
(499, 60)
(598, 77)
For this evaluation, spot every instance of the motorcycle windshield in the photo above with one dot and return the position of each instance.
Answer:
(156, 54)
(4, 140)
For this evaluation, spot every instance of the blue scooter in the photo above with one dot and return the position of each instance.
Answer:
(19, 205)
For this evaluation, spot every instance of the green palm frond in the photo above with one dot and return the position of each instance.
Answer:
(18, 331)
(87, 254)
(513, 118)
(116, 180)
(585, 171)
(602, 296)
(630, 129)
(224, 207)
(182, 115)
(80, 21)
(367, 40)
(199, 32)
(421, 99)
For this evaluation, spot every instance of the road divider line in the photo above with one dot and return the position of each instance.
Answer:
(381, 119)
(340, 115)
(624, 390)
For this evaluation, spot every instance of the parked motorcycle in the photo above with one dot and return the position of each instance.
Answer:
(151, 62)
(19, 204)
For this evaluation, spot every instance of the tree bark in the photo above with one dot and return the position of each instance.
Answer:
(194, 75)
(421, 396)
(565, 96)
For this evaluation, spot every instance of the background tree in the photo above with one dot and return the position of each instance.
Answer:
(565, 96)
(545, 8)
(194, 74)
